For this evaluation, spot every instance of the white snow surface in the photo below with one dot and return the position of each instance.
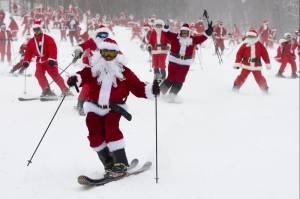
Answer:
(216, 144)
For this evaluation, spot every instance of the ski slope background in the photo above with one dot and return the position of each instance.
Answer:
(216, 144)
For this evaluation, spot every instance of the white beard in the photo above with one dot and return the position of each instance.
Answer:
(107, 71)
(250, 41)
(184, 43)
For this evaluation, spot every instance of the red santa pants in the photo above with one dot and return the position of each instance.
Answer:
(5, 50)
(288, 60)
(177, 72)
(220, 44)
(84, 92)
(103, 128)
(40, 72)
(259, 78)
(159, 61)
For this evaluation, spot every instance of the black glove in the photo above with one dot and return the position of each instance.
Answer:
(25, 64)
(72, 81)
(155, 88)
(51, 62)
(149, 48)
(209, 29)
(166, 26)
(78, 54)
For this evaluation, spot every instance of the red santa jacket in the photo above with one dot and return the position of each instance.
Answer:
(158, 42)
(250, 56)
(181, 51)
(99, 95)
(13, 26)
(286, 50)
(5, 40)
(220, 32)
(43, 47)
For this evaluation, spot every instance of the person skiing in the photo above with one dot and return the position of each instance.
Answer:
(180, 58)
(43, 47)
(158, 47)
(5, 43)
(110, 83)
(286, 54)
(248, 58)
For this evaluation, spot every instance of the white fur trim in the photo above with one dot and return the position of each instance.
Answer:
(105, 90)
(109, 46)
(79, 79)
(252, 68)
(78, 48)
(185, 28)
(155, 52)
(176, 60)
(116, 145)
(100, 147)
(51, 59)
(36, 26)
(252, 54)
(90, 107)
(251, 34)
(148, 91)
(237, 65)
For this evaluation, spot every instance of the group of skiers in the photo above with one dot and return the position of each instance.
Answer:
(106, 81)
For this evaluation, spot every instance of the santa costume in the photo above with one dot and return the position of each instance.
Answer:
(249, 57)
(43, 47)
(110, 83)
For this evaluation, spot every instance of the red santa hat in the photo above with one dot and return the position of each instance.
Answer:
(109, 44)
(102, 28)
(37, 23)
(251, 32)
(185, 26)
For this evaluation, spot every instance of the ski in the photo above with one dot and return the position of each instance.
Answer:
(43, 99)
(84, 180)
(28, 98)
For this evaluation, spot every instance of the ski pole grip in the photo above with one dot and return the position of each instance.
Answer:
(77, 89)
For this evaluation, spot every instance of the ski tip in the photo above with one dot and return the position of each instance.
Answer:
(83, 180)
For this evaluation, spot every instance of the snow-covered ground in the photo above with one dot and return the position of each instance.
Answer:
(216, 144)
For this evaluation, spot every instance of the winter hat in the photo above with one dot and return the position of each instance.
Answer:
(102, 28)
(109, 44)
(159, 22)
(287, 36)
(37, 23)
(251, 32)
(185, 26)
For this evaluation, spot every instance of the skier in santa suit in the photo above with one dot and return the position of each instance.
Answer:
(86, 50)
(158, 48)
(249, 58)
(220, 34)
(5, 43)
(13, 26)
(43, 47)
(286, 54)
(110, 84)
(180, 58)
(22, 50)
(264, 32)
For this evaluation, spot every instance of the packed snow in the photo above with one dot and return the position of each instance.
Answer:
(215, 144)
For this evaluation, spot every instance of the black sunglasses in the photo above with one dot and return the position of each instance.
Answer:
(102, 35)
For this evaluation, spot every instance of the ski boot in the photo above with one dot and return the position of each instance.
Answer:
(119, 168)
(279, 74)
(47, 93)
(294, 76)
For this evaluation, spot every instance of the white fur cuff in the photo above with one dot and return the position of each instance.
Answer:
(148, 91)
(116, 145)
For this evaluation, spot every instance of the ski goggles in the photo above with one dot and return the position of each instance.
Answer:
(158, 26)
(184, 33)
(108, 53)
(102, 35)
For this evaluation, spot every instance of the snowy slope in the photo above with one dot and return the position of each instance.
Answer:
(215, 145)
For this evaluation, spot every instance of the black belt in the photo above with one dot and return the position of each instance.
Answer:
(181, 57)
(116, 108)
(254, 59)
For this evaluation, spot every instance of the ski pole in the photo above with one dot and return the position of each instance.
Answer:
(73, 61)
(205, 15)
(156, 145)
(30, 160)
(198, 54)
(25, 82)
